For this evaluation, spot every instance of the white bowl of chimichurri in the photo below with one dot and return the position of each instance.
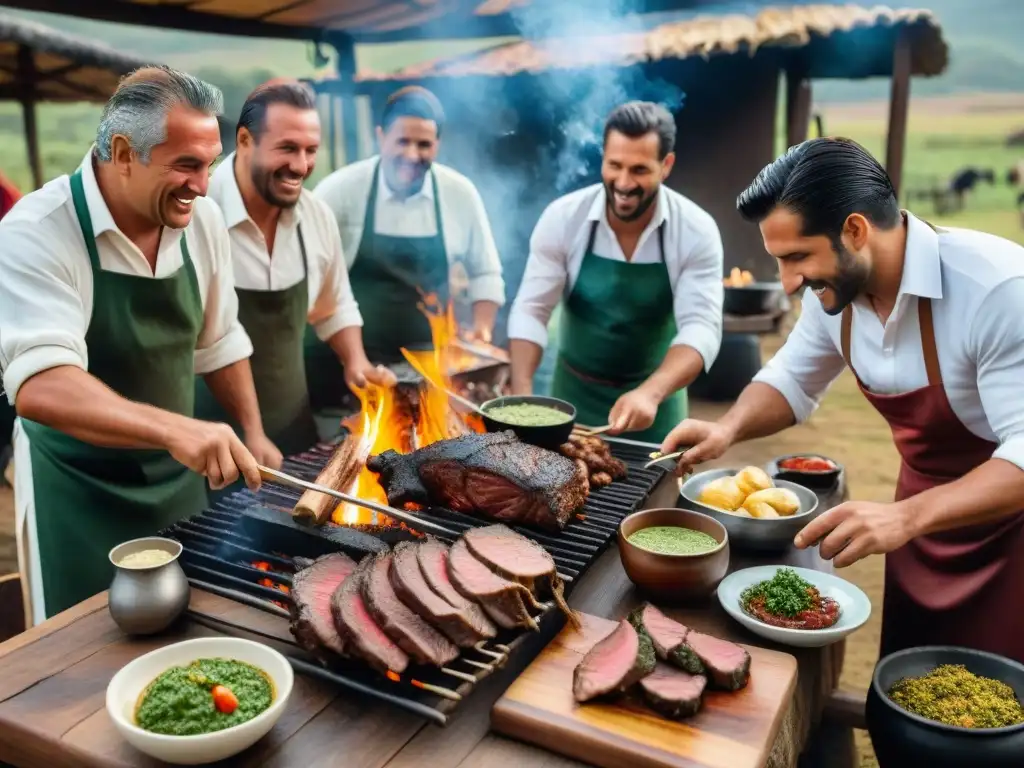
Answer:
(201, 700)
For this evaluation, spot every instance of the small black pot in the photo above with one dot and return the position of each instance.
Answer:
(902, 739)
(753, 299)
(549, 437)
(818, 481)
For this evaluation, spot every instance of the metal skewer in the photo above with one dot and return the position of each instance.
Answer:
(659, 457)
(397, 514)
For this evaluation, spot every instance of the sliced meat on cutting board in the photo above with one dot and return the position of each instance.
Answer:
(732, 729)
(613, 664)
(433, 558)
(727, 664)
(666, 634)
(672, 692)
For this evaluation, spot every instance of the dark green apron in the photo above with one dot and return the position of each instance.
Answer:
(389, 278)
(275, 322)
(616, 328)
(141, 342)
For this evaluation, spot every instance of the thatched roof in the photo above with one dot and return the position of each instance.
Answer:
(836, 41)
(67, 68)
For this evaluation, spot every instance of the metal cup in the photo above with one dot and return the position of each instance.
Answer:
(147, 600)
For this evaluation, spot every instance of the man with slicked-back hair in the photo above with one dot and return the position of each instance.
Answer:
(115, 290)
(928, 320)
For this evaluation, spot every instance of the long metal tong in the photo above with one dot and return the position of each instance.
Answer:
(274, 475)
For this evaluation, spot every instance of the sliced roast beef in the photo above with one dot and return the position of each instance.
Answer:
(412, 589)
(668, 637)
(412, 634)
(672, 692)
(361, 634)
(503, 600)
(433, 559)
(494, 476)
(727, 664)
(517, 558)
(312, 587)
(614, 664)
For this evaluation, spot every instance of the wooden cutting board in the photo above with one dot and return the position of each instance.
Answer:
(731, 730)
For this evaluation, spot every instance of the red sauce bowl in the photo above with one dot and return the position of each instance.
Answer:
(807, 469)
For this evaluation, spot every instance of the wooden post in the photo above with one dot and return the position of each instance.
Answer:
(346, 49)
(27, 76)
(332, 127)
(899, 104)
(798, 107)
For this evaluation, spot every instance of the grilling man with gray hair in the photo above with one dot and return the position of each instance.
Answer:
(116, 287)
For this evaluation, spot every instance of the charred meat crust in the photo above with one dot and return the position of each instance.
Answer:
(433, 559)
(312, 587)
(362, 636)
(672, 692)
(503, 600)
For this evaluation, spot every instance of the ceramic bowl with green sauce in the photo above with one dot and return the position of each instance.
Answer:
(543, 421)
(674, 555)
(194, 730)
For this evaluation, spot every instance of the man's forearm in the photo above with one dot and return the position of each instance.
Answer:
(525, 357)
(348, 346)
(233, 387)
(987, 493)
(485, 314)
(759, 411)
(680, 367)
(73, 401)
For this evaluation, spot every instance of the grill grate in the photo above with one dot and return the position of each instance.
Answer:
(225, 557)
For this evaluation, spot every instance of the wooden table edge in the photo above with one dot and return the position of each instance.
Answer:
(54, 624)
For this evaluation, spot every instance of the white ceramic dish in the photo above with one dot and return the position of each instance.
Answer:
(854, 606)
(126, 686)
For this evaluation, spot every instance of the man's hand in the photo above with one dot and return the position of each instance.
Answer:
(212, 450)
(479, 334)
(702, 440)
(359, 375)
(632, 412)
(264, 450)
(855, 529)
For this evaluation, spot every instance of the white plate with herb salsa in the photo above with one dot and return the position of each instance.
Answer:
(200, 700)
(794, 606)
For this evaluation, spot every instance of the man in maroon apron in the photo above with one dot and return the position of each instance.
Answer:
(929, 322)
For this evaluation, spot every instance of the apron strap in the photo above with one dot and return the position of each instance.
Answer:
(302, 249)
(370, 216)
(928, 347)
(437, 210)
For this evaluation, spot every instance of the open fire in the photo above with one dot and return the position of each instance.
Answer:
(386, 420)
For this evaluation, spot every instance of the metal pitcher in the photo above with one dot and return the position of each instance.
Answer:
(146, 600)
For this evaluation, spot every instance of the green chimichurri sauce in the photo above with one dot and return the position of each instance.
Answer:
(672, 540)
(180, 701)
(528, 415)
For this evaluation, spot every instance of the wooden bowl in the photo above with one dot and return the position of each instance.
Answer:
(674, 578)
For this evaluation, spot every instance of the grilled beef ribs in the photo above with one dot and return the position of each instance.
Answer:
(412, 634)
(492, 475)
(503, 600)
(727, 664)
(672, 692)
(433, 559)
(312, 587)
(517, 558)
(614, 664)
(412, 589)
(668, 637)
(360, 632)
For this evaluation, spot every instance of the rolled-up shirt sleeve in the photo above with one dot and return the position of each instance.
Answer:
(807, 364)
(698, 296)
(483, 264)
(42, 317)
(543, 281)
(223, 341)
(996, 341)
(335, 307)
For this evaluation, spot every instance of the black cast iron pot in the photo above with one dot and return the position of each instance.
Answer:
(903, 740)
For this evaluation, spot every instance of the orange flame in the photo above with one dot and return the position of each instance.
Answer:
(384, 423)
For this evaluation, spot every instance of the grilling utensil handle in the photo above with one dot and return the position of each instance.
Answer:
(280, 477)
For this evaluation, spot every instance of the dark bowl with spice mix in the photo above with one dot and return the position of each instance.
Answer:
(674, 555)
(947, 707)
(545, 422)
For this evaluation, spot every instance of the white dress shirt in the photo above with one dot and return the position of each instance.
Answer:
(46, 300)
(467, 231)
(976, 284)
(693, 257)
(331, 303)
(46, 280)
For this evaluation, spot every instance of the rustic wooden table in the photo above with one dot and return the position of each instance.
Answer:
(53, 680)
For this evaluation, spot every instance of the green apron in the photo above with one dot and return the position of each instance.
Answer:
(387, 278)
(275, 322)
(88, 499)
(616, 328)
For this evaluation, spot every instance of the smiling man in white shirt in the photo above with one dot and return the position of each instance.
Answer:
(406, 221)
(288, 264)
(929, 321)
(115, 289)
(639, 267)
